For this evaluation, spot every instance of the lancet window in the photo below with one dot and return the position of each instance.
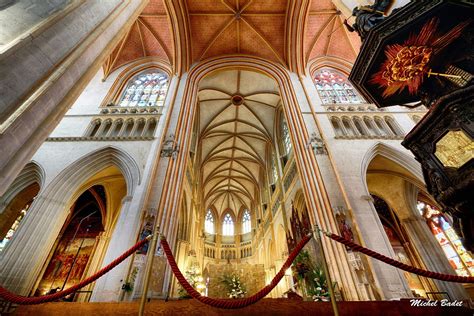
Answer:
(145, 89)
(228, 225)
(440, 226)
(209, 223)
(285, 136)
(246, 223)
(333, 87)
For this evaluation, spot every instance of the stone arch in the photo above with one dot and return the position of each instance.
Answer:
(54, 202)
(396, 179)
(18, 199)
(91, 163)
(215, 215)
(228, 211)
(332, 62)
(31, 173)
(131, 70)
(412, 177)
(183, 220)
(308, 168)
(299, 203)
(281, 241)
(395, 155)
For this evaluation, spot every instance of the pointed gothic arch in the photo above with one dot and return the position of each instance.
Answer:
(305, 160)
(54, 202)
(129, 72)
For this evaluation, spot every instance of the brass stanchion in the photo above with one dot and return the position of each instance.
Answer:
(326, 272)
(149, 268)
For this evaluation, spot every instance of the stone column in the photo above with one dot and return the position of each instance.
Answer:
(23, 258)
(432, 255)
(45, 73)
(346, 190)
(390, 280)
(318, 200)
(108, 287)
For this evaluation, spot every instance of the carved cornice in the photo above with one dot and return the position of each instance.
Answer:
(104, 138)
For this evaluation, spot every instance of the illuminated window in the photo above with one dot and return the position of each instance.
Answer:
(228, 226)
(146, 89)
(285, 137)
(246, 224)
(334, 87)
(444, 233)
(209, 223)
(274, 170)
(13, 228)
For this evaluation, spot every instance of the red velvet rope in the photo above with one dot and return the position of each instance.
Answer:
(400, 265)
(231, 303)
(24, 300)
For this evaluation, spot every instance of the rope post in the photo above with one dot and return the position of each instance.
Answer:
(149, 269)
(326, 272)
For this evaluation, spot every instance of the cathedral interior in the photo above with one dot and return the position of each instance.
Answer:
(229, 127)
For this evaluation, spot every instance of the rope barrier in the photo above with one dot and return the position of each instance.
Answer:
(24, 300)
(400, 265)
(231, 303)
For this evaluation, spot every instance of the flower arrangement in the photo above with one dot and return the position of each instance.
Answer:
(311, 278)
(193, 276)
(319, 290)
(235, 288)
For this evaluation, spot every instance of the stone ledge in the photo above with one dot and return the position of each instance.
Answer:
(88, 138)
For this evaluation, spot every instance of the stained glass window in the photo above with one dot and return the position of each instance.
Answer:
(209, 223)
(246, 224)
(458, 257)
(13, 228)
(285, 137)
(334, 87)
(228, 225)
(146, 89)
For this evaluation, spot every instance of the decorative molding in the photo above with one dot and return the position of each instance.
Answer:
(115, 109)
(289, 176)
(317, 144)
(170, 147)
(361, 137)
(100, 138)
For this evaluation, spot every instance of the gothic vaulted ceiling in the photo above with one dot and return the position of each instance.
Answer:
(149, 36)
(236, 119)
(251, 27)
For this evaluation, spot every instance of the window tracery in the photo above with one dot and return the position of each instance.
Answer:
(285, 136)
(145, 89)
(458, 257)
(246, 223)
(333, 87)
(209, 223)
(228, 225)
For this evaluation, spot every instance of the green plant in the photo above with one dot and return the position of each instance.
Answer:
(235, 288)
(127, 287)
(319, 288)
(194, 278)
(311, 277)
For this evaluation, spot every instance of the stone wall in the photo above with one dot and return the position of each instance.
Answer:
(252, 276)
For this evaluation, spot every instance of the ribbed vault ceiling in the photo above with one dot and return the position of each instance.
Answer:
(249, 27)
(233, 137)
